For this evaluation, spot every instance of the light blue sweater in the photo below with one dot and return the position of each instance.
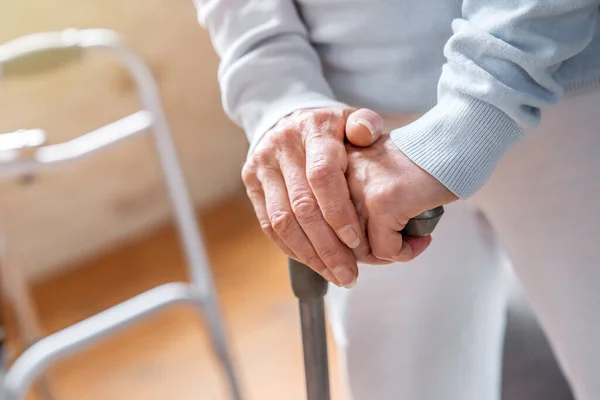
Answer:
(481, 71)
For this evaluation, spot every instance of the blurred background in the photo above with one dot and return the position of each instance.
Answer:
(119, 195)
(90, 234)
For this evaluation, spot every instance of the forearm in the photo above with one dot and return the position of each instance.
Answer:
(499, 74)
(268, 67)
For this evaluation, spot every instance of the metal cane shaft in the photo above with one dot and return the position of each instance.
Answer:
(310, 289)
(314, 341)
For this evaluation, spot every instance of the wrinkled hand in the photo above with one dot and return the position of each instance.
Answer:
(388, 189)
(296, 183)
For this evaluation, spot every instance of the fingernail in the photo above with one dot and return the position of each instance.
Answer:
(367, 124)
(349, 236)
(351, 284)
(345, 276)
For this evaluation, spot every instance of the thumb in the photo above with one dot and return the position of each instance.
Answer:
(363, 127)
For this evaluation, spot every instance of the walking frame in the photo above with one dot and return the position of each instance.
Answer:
(44, 51)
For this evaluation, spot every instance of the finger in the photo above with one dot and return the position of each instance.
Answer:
(418, 244)
(386, 240)
(388, 244)
(412, 247)
(365, 256)
(336, 256)
(284, 223)
(326, 162)
(257, 198)
(364, 127)
(363, 252)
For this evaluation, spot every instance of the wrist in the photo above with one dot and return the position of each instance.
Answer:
(459, 143)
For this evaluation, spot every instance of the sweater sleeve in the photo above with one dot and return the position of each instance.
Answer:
(268, 68)
(499, 74)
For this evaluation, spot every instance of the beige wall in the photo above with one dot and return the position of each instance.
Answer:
(76, 211)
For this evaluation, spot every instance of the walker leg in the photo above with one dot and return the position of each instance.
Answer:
(14, 287)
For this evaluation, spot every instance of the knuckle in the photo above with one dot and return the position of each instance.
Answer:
(283, 140)
(261, 157)
(248, 173)
(254, 169)
(282, 222)
(320, 173)
(331, 253)
(305, 207)
(280, 137)
(267, 228)
(335, 211)
(329, 117)
(319, 117)
(315, 262)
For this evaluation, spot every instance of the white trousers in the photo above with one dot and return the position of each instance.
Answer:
(433, 329)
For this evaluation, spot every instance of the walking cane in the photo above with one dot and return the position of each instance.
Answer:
(310, 289)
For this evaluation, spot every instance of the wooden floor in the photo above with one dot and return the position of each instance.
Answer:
(169, 356)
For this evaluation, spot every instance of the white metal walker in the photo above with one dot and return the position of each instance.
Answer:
(43, 51)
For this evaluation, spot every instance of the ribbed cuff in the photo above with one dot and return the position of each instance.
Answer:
(284, 107)
(459, 142)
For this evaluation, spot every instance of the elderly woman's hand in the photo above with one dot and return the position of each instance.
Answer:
(295, 180)
(388, 189)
